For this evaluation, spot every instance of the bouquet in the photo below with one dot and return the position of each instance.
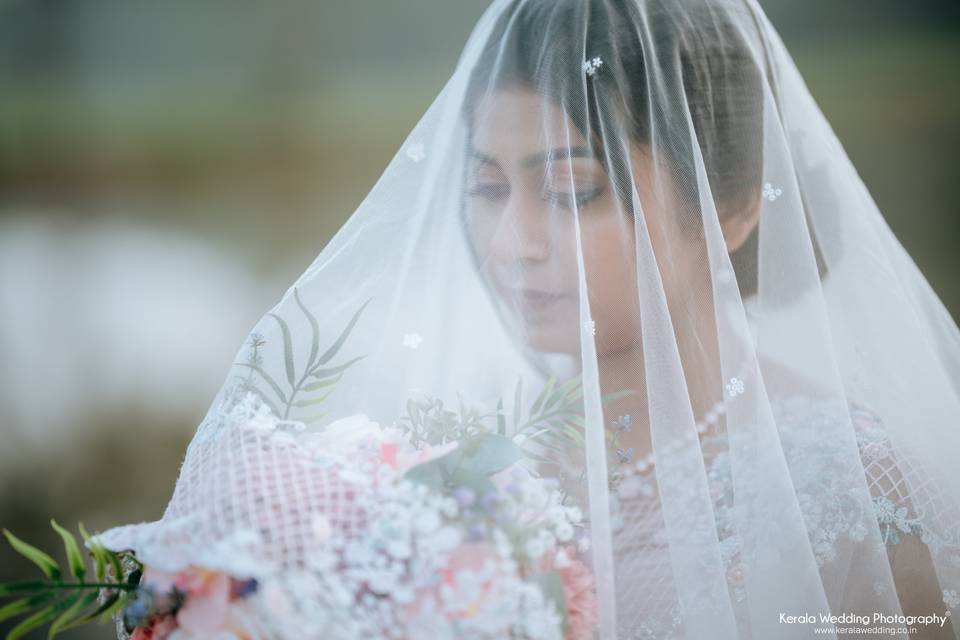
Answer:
(428, 536)
(437, 525)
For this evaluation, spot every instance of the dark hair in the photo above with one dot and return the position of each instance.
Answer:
(677, 56)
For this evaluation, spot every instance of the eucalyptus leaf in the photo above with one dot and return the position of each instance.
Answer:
(494, 454)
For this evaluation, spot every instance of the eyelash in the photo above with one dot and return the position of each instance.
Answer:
(493, 192)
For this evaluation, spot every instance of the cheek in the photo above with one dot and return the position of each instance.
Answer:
(611, 267)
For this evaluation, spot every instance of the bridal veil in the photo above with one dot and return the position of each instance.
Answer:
(625, 233)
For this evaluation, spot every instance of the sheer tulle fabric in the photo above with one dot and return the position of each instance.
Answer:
(641, 193)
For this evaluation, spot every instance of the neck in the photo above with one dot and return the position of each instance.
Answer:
(625, 369)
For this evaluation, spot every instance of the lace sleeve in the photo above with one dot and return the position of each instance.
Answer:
(907, 501)
(916, 523)
(886, 479)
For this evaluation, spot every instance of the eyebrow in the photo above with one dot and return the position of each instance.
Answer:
(539, 158)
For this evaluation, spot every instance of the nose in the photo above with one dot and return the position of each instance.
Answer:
(522, 232)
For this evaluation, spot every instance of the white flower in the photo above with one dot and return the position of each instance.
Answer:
(412, 340)
(428, 522)
(344, 436)
(574, 514)
(771, 192)
(445, 539)
(735, 387)
(276, 599)
(950, 598)
(321, 528)
(592, 65)
(535, 548)
(416, 152)
(399, 549)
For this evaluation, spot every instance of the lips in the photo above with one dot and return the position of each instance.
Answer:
(535, 300)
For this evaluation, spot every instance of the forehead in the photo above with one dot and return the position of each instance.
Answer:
(515, 122)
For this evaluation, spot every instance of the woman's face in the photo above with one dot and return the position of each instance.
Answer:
(530, 180)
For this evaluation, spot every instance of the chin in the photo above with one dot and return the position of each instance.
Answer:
(555, 338)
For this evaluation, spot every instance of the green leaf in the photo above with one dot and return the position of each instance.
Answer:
(326, 382)
(287, 347)
(74, 559)
(37, 557)
(114, 601)
(267, 378)
(494, 454)
(543, 394)
(115, 563)
(10, 588)
(538, 458)
(312, 401)
(426, 473)
(517, 408)
(560, 393)
(314, 329)
(99, 559)
(616, 395)
(60, 624)
(106, 612)
(552, 586)
(22, 605)
(332, 351)
(32, 622)
(332, 371)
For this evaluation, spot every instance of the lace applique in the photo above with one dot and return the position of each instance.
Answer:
(828, 484)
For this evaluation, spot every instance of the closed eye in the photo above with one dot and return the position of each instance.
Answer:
(492, 191)
(573, 200)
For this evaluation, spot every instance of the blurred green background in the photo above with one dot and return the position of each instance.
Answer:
(168, 168)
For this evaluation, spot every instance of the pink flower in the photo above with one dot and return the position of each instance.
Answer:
(468, 557)
(159, 581)
(578, 591)
(207, 601)
(157, 629)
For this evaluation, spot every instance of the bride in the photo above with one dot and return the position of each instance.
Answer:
(639, 197)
